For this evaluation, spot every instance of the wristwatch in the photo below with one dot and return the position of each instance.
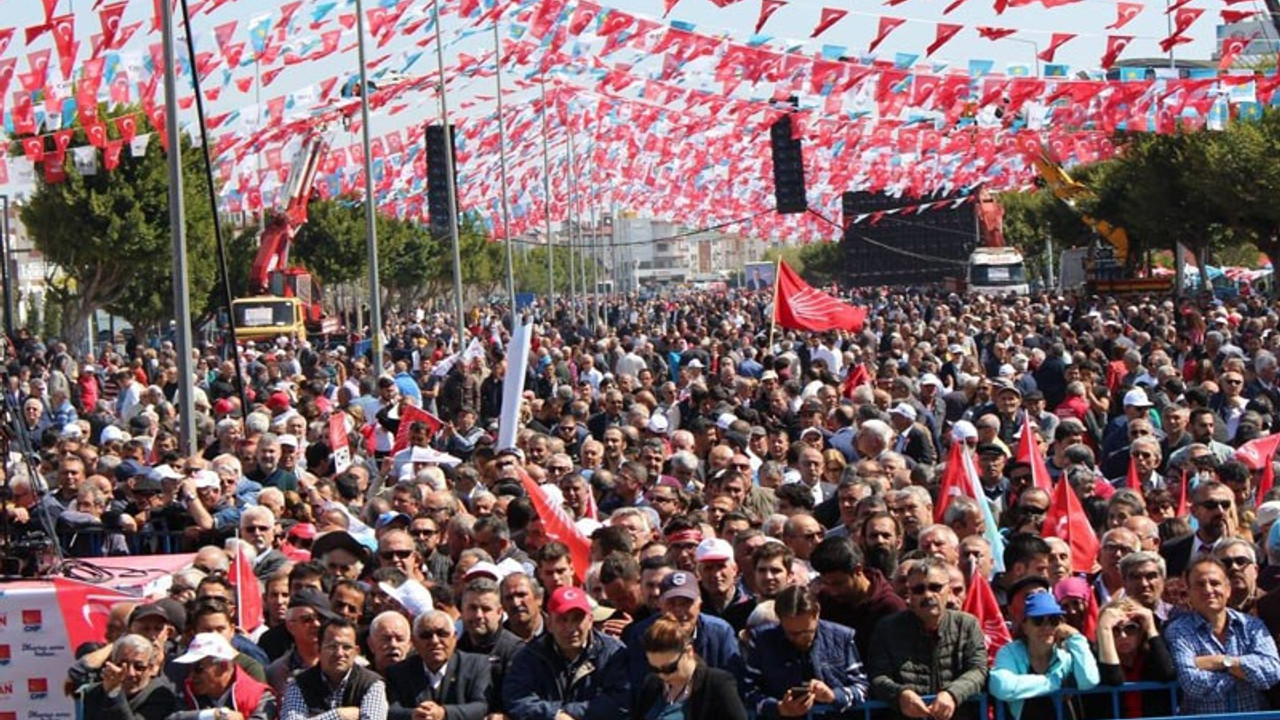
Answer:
(1229, 662)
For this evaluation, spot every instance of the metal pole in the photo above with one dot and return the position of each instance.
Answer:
(1168, 23)
(453, 190)
(4, 272)
(502, 173)
(570, 217)
(546, 191)
(177, 227)
(370, 212)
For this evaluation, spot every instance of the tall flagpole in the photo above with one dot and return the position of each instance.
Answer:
(178, 227)
(571, 215)
(773, 321)
(451, 186)
(370, 212)
(546, 190)
(502, 173)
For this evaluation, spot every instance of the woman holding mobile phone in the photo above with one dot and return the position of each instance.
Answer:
(679, 685)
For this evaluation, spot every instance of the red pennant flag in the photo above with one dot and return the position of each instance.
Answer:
(767, 9)
(55, 168)
(1066, 520)
(854, 379)
(50, 6)
(85, 609)
(128, 127)
(110, 17)
(954, 482)
(1258, 455)
(668, 6)
(981, 603)
(1115, 45)
(1058, 40)
(409, 414)
(1125, 11)
(558, 524)
(995, 33)
(1029, 453)
(111, 155)
(830, 16)
(1229, 17)
(944, 32)
(248, 592)
(1185, 18)
(6, 37)
(33, 147)
(64, 39)
(887, 25)
(954, 4)
(800, 307)
(1231, 49)
(1173, 41)
(1131, 479)
(1182, 495)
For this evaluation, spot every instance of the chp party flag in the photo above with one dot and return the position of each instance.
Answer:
(1029, 453)
(409, 414)
(1066, 519)
(981, 603)
(1259, 454)
(558, 524)
(798, 306)
(248, 592)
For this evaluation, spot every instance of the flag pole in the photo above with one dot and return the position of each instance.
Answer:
(773, 321)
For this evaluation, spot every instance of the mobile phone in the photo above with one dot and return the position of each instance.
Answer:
(799, 692)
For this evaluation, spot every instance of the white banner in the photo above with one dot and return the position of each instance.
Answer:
(513, 385)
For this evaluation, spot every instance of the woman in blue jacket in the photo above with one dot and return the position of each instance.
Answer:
(1050, 655)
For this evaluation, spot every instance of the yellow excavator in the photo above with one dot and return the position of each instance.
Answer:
(1107, 267)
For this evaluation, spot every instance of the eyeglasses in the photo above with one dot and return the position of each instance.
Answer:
(256, 528)
(1240, 561)
(1216, 504)
(1232, 381)
(308, 618)
(665, 669)
(395, 554)
(1117, 548)
(438, 633)
(661, 499)
(1129, 628)
(1050, 620)
(423, 532)
(923, 588)
(1143, 454)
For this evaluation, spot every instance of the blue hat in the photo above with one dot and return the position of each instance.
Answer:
(128, 469)
(391, 516)
(1042, 604)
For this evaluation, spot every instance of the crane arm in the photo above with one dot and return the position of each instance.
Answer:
(277, 236)
(1069, 191)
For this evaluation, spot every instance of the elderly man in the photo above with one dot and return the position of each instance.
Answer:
(390, 640)
(1144, 576)
(214, 677)
(1116, 544)
(522, 598)
(439, 682)
(131, 684)
(258, 528)
(337, 684)
(571, 673)
(1239, 558)
(341, 553)
(928, 649)
(1226, 660)
(802, 662)
(940, 541)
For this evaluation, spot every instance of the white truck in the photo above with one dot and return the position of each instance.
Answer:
(997, 271)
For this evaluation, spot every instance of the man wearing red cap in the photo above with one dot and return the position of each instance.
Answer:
(572, 672)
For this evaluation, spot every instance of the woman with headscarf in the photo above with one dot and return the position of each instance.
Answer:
(1079, 605)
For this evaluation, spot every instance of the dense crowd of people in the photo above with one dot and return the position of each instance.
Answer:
(737, 520)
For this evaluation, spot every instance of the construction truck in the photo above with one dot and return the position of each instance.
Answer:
(287, 301)
(1104, 267)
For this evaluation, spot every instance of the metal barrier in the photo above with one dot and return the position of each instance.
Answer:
(147, 542)
(1115, 691)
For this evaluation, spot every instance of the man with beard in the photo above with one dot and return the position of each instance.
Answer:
(771, 568)
(1213, 507)
(1238, 557)
(928, 649)
(483, 633)
(853, 594)
(881, 542)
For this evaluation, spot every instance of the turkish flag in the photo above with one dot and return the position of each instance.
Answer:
(1184, 18)
(1132, 480)
(1229, 17)
(1231, 49)
(1029, 453)
(798, 306)
(887, 25)
(953, 481)
(1057, 41)
(995, 33)
(831, 16)
(943, 33)
(767, 9)
(409, 414)
(1115, 45)
(1066, 520)
(86, 608)
(1125, 11)
(981, 603)
(248, 592)
(558, 524)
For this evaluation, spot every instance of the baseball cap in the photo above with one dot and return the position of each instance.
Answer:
(1042, 604)
(725, 420)
(278, 402)
(335, 540)
(288, 440)
(905, 410)
(695, 364)
(658, 424)
(568, 599)
(207, 645)
(679, 584)
(392, 516)
(313, 599)
(931, 379)
(1137, 397)
(207, 479)
(484, 568)
(112, 433)
(223, 407)
(167, 609)
(768, 375)
(1268, 512)
(713, 550)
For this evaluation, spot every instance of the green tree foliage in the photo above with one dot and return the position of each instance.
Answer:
(110, 233)
(331, 244)
(817, 262)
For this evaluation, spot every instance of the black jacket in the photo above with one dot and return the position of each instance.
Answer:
(1157, 666)
(463, 692)
(154, 702)
(713, 695)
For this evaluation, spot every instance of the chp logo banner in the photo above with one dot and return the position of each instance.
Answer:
(38, 688)
(32, 620)
(6, 655)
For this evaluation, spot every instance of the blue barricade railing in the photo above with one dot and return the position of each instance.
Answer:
(91, 542)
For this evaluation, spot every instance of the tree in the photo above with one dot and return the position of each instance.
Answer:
(110, 233)
(331, 244)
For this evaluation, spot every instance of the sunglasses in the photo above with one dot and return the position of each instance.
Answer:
(1129, 628)
(665, 669)
(922, 588)
(395, 554)
(423, 532)
(439, 634)
(1235, 562)
(1216, 504)
(1050, 620)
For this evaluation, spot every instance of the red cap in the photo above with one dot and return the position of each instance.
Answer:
(565, 599)
(278, 402)
(303, 531)
(224, 407)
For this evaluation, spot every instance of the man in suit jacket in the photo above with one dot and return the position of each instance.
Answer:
(443, 683)
(1213, 507)
(913, 439)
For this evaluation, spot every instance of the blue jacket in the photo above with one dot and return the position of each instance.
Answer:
(540, 683)
(714, 641)
(1012, 680)
(774, 666)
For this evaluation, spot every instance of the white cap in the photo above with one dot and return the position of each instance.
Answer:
(1268, 512)
(658, 424)
(1006, 371)
(695, 364)
(166, 472)
(964, 430)
(931, 379)
(112, 433)
(289, 440)
(207, 645)
(1137, 397)
(713, 550)
(905, 410)
(71, 431)
(484, 568)
(207, 479)
(725, 420)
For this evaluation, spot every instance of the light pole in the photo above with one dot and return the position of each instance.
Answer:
(4, 270)
(1035, 46)
(370, 217)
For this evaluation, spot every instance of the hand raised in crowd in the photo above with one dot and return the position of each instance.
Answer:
(112, 676)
